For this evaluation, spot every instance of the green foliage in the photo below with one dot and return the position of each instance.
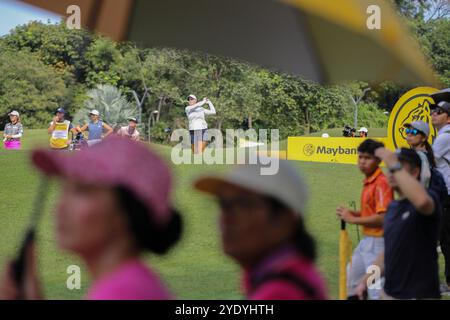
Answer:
(101, 55)
(370, 116)
(54, 44)
(158, 133)
(63, 65)
(29, 86)
(112, 105)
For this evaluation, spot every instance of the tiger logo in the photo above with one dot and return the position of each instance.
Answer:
(421, 112)
(308, 149)
(412, 106)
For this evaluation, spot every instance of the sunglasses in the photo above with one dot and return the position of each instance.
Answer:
(414, 132)
(438, 111)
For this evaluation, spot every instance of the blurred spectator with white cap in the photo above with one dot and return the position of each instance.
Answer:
(262, 228)
(13, 132)
(130, 131)
(440, 116)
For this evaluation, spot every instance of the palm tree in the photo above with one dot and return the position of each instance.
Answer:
(114, 108)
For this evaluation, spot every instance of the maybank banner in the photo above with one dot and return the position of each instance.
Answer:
(337, 150)
(414, 105)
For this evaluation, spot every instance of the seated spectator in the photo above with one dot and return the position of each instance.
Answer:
(130, 131)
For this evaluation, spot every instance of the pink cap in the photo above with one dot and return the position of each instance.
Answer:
(115, 162)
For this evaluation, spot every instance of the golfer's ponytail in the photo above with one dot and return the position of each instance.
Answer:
(430, 154)
(148, 235)
(303, 241)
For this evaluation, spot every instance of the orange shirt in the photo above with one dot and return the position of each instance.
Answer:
(375, 198)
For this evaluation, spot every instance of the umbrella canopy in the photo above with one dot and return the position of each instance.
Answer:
(323, 40)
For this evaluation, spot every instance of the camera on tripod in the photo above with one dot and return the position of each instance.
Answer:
(349, 131)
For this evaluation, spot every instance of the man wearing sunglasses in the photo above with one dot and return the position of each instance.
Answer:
(440, 115)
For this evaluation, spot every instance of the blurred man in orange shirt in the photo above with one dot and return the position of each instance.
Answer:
(375, 198)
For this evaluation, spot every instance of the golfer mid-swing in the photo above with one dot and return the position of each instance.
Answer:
(197, 123)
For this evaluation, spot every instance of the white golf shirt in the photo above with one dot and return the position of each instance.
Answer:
(196, 115)
(441, 149)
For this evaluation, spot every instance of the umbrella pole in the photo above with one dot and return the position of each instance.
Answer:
(20, 261)
(343, 257)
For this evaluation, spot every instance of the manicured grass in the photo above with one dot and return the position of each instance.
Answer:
(196, 268)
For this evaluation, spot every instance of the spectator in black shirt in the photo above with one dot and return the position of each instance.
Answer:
(411, 231)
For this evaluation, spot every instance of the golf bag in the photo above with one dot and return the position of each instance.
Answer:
(78, 142)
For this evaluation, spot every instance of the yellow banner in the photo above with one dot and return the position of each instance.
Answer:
(414, 105)
(317, 149)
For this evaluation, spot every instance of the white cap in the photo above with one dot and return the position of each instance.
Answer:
(421, 126)
(287, 185)
(325, 135)
(363, 129)
(95, 112)
(13, 113)
(191, 96)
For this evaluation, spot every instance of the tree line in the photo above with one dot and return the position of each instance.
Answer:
(44, 66)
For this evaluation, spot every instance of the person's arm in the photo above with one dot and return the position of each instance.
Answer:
(409, 186)
(362, 286)
(136, 135)
(373, 221)
(73, 129)
(52, 125)
(383, 197)
(19, 134)
(31, 284)
(108, 129)
(83, 128)
(188, 109)
(354, 217)
(6, 136)
(211, 110)
(441, 146)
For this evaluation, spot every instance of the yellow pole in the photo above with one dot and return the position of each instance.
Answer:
(345, 248)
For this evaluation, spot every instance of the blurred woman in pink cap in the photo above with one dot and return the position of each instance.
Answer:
(114, 206)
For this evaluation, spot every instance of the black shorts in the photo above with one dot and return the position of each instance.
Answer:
(198, 135)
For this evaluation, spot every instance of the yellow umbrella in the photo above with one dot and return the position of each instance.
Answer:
(345, 256)
(323, 40)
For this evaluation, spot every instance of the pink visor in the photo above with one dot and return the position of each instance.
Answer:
(115, 161)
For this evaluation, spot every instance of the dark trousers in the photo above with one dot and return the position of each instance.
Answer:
(445, 238)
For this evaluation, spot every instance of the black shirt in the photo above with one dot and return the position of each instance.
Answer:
(410, 257)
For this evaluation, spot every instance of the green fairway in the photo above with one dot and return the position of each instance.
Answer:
(196, 268)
